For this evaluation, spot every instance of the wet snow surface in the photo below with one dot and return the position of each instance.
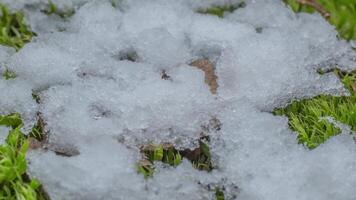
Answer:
(99, 77)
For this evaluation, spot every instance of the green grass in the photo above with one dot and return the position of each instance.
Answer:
(37, 131)
(342, 14)
(15, 184)
(308, 117)
(221, 10)
(14, 30)
(52, 9)
(168, 154)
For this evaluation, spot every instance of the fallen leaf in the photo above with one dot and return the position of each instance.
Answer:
(207, 67)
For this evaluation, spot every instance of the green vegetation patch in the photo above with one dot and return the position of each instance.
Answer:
(14, 30)
(219, 194)
(310, 118)
(38, 133)
(340, 13)
(200, 157)
(52, 9)
(15, 184)
(221, 10)
(8, 74)
(164, 153)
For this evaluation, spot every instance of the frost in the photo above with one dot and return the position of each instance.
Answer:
(110, 79)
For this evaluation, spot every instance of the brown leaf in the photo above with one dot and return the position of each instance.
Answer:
(191, 154)
(66, 150)
(145, 163)
(207, 67)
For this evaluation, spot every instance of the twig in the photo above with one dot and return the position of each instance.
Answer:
(316, 6)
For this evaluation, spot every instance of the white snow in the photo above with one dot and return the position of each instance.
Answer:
(106, 107)
(3, 134)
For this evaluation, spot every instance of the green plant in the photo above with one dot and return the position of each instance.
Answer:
(14, 30)
(38, 133)
(221, 10)
(164, 153)
(309, 117)
(12, 120)
(52, 9)
(203, 160)
(342, 14)
(168, 154)
(219, 194)
(8, 74)
(146, 168)
(14, 182)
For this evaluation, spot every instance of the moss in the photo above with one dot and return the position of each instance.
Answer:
(308, 117)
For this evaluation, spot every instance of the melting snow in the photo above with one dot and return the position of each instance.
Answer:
(106, 106)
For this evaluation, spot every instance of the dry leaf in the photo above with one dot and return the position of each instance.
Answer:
(208, 68)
